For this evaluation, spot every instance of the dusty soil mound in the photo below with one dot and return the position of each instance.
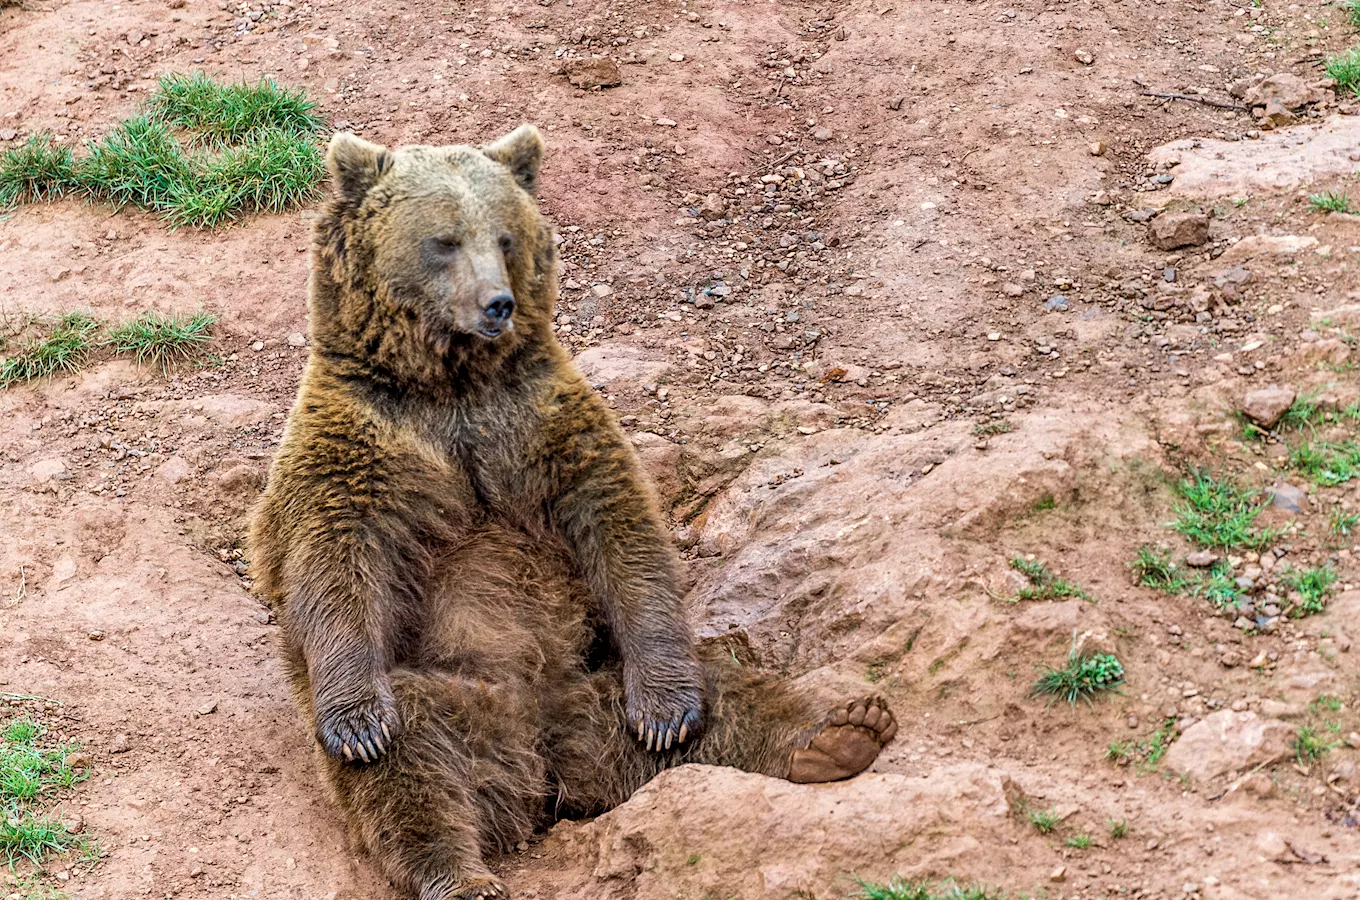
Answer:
(875, 291)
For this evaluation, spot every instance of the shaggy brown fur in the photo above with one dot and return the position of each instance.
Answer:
(479, 605)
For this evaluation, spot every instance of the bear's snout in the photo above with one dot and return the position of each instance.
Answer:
(496, 312)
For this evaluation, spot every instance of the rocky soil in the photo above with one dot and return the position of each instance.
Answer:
(887, 294)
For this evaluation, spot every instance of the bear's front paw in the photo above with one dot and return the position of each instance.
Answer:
(665, 704)
(358, 731)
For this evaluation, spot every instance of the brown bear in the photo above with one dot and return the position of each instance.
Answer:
(479, 606)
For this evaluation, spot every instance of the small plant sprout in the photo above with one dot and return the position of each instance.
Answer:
(1043, 820)
(1118, 829)
(1083, 677)
(1078, 842)
(1330, 201)
(1310, 746)
(1313, 585)
(1043, 584)
(1343, 523)
(1153, 568)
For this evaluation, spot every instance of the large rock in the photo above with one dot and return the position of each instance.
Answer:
(1171, 231)
(1271, 245)
(604, 365)
(699, 831)
(1229, 741)
(593, 73)
(1290, 91)
(1266, 405)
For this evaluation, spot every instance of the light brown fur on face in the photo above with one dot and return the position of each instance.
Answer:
(480, 609)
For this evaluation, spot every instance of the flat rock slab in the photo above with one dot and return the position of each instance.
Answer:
(1226, 742)
(1279, 161)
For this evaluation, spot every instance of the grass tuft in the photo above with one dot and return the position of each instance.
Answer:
(38, 171)
(1331, 201)
(1118, 829)
(1313, 585)
(1326, 464)
(1304, 412)
(1352, 8)
(1044, 820)
(29, 773)
(1078, 842)
(201, 154)
(221, 114)
(1043, 584)
(1220, 514)
(1343, 523)
(1000, 426)
(1082, 678)
(898, 888)
(1310, 746)
(1153, 568)
(1219, 587)
(163, 340)
(63, 349)
(1344, 69)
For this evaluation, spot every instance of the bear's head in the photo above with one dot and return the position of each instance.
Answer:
(441, 245)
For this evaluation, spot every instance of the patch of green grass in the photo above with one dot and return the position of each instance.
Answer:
(1219, 587)
(1043, 820)
(1153, 568)
(162, 339)
(1304, 412)
(1329, 702)
(897, 888)
(1117, 829)
(1082, 678)
(1313, 586)
(1310, 746)
(35, 172)
(201, 154)
(1326, 464)
(29, 773)
(1078, 842)
(1220, 513)
(220, 114)
(1043, 584)
(1331, 201)
(1343, 523)
(1000, 426)
(63, 349)
(31, 886)
(1344, 69)
(1352, 9)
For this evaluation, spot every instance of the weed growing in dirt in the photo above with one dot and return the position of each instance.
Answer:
(1220, 513)
(1331, 201)
(1045, 503)
(1329, 702)
(1081, 679)
(31, 886)
(1304, 412)
(1344, 69)
(1153, 568)
(1343, 523)
(1001, 426)
(1310, 746)
(63, 349)
(1326, 464)
(162, 340)
(37, 171)
(1118, 829)
(1313, 586)
(1043, 820)
(30, 772)
(1219, 587)
(1078, 842)
(897, 888)
(1043, 584)
(1352, 8)
(203, 153)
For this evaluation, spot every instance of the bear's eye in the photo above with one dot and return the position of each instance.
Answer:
(444, 244)
(507, 244)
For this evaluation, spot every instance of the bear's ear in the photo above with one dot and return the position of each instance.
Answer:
(520, 151)
(355, 165)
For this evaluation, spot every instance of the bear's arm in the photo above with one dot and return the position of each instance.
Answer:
(600, 502)
(350, 570)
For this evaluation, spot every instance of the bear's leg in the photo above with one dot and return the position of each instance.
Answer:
(463, 779)
(755, 722)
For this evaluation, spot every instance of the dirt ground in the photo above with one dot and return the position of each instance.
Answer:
(811, 251)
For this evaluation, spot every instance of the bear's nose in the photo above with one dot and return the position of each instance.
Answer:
(500, 307)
